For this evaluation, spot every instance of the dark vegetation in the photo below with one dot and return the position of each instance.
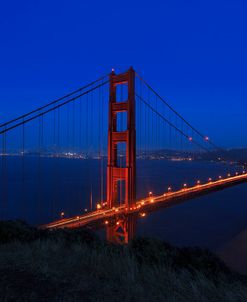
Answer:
(75, 265)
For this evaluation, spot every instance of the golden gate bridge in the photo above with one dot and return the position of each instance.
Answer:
(122, 119)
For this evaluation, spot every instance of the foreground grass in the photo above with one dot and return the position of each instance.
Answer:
(76, 266)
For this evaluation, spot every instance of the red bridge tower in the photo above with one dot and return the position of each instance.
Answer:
(124, 230)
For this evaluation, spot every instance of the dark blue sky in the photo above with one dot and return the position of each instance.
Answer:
(192, 52)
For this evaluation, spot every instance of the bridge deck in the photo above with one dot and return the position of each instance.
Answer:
(152, 203)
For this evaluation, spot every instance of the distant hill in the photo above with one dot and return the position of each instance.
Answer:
(233, 155)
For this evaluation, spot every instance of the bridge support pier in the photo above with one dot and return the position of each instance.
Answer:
(121, 174)
(123, 230)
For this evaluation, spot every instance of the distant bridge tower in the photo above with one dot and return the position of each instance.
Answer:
(124, 230)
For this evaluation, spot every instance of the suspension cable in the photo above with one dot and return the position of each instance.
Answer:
(170, 123)
(204, 137)
(179, 115)
(52, 102)
(51, 109)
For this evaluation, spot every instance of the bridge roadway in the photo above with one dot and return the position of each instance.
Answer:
(104, 216)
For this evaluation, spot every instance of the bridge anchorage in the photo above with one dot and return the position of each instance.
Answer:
(124, 230)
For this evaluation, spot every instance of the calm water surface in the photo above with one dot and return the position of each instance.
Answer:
(38, 189)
